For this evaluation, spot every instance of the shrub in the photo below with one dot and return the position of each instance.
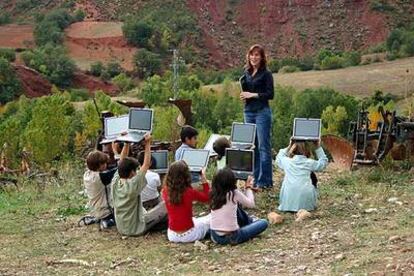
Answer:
(78, 95)
(123, 82)
(5, 18)
(289, 69)
(334, 119)
(333, 62)
(352, 58)
(47, 32)
(137, 32)
(79, 16)
(9, 83)
(8, 54)
(53, 63)
(147, 63)
(51, 118)
(96, 68)
(273, 65)
(113, 68)
(155, 91)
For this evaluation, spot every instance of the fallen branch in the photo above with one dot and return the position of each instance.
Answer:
(69, 261)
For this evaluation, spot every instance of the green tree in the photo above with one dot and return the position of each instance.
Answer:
(124, 82)
(97, 68)
(8, 54)
(137, 33)
(48, 133)
(334, 119)
(9, 84)
(155, 91)
(113, 68)
(147, 63)
(53, 63)
(47, 32)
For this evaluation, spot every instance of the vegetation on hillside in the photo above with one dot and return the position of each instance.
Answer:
(9, 83)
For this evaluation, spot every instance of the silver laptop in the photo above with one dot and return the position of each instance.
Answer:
(241, 162)
(210, 143)
(140, 123)
(114, 126)
(196, 159)
(306, 129)
(243, 135)
(161, 161)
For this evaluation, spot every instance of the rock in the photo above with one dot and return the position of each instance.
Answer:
(371, 210)
(392, 199)
(315, 236)
(201, 245)
(339, 257)
(394, 238)
(274, 218)
(302, 215)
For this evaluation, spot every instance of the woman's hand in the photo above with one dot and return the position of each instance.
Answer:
(247, 95)
(203, 176)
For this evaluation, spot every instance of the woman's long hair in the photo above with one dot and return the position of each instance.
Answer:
(302, 148)
(224, 182)
(178, 179)
(263, 62)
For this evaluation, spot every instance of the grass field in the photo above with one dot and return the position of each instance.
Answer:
(355, 230)
(361, 81)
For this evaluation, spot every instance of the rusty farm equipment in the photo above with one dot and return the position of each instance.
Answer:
(371, 138)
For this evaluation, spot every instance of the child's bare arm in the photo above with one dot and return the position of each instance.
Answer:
(125, 151)
(147, 155)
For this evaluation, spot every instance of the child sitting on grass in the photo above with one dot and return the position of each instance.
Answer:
(179, 197)
(220, 146)
(97, 180)
(150, 195)
(189, 141)
(298, 192)
(229, 223)
(131, 217)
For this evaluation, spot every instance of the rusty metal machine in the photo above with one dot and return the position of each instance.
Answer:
(371, 138)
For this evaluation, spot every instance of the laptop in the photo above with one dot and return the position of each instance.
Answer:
(114, 126)
(161, 161)
(306, 129)
(140, 123)
(196, 159)
(210, 143)
(243, 135)
(241, 162)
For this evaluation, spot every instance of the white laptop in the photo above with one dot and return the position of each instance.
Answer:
(161, 161)
(114, 126)
(243, 135)
(241, 162)
(210, 143)
(306, 129)
(140, 123)
(196, 159)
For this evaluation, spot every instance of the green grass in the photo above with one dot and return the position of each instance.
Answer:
(39, 226)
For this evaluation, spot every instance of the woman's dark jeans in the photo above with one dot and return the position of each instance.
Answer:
(263, 152)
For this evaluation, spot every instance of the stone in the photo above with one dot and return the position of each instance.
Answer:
(339, 257)
(371, 210)
(302, 215)
(274, 218)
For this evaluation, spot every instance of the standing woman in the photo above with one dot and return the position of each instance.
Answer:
(257, 86)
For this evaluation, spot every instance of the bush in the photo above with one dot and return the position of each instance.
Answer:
(9, 83)
(352, 58)
(334, 119)
(273, 65)
(123, 82)
(53, 63)
(79, 15)
(47, 32)
(8, 54)
(147, 63)
(113, 69)
(78, 95)
(332, 62)
(155, 91)
(5, 18)
(97, 68)
(137, 32)
(289, 69)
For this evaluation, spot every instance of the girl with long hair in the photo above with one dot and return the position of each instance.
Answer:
(229, 223)
(179, 197)
(299, 190)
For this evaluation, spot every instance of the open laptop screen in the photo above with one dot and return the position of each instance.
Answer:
(140, 119)
(309, 128)
(243, 133)
(161, 159)
(196, 158)
(239, 160)
(114, 126)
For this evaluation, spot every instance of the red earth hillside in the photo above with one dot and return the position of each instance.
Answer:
(287, 28)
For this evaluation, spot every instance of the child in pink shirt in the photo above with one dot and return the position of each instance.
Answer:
(229, 224)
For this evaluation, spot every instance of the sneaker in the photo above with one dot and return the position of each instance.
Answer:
(106, 224)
